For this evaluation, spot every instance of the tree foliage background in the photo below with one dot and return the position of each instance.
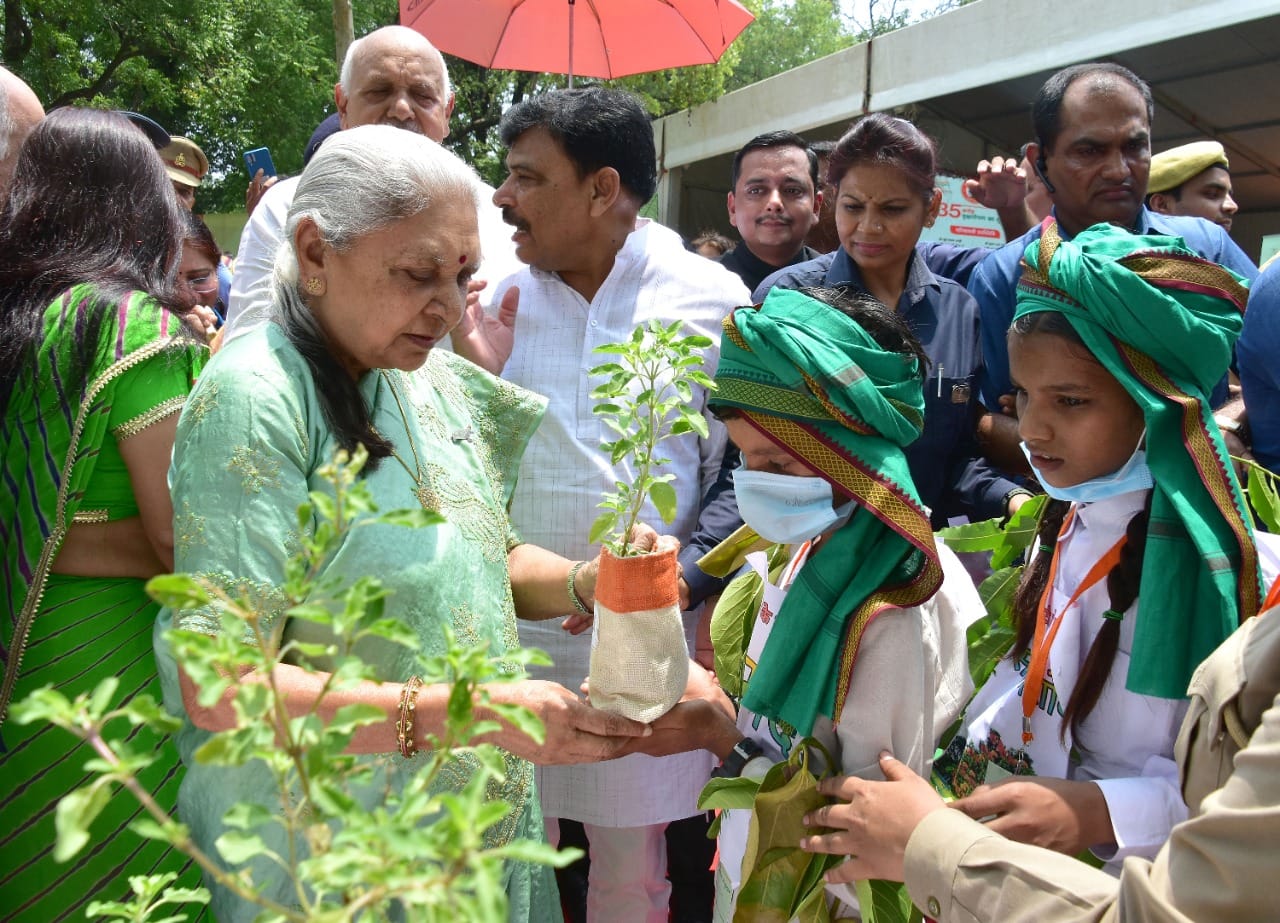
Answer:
(238, 74)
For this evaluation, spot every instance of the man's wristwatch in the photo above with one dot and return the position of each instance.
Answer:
(743, 752)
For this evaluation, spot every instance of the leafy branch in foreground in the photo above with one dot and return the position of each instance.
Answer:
(419, 847)
(646, 398)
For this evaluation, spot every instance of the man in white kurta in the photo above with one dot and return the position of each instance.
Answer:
(597, 272)
(392, 76)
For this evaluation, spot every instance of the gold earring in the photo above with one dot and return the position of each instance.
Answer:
(315, 286)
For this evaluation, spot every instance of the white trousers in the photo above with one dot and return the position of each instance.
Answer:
(628, 879)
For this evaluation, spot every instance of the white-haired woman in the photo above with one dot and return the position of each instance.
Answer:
(380, 244)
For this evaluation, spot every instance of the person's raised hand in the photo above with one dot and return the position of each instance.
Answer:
(1065, 816)
(483, 339)
(871, 821)
(1001, 183)
(257, 188)
(575, 732)
(202, 319)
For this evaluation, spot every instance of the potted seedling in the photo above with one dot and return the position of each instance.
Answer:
(639, 659)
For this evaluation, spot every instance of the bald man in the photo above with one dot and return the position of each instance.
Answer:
(392, 76)
(20, 111)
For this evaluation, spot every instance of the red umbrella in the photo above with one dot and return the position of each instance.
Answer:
(611, 38)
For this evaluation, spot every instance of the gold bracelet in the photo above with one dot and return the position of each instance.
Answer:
(573, 591)
(404, 726)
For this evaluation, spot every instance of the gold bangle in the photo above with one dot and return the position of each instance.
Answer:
(573, 590)
(404, 726)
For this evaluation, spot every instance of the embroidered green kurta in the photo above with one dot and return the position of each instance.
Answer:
(249, 446)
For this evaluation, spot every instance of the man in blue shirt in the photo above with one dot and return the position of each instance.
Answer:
(1259, 371)
(1093, 151)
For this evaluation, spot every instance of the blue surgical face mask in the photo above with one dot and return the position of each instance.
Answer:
(1132, 475)
(784, 508)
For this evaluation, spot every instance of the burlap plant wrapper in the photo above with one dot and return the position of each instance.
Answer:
(639, 658)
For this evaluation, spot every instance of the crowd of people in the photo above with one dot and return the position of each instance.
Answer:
(163, 413)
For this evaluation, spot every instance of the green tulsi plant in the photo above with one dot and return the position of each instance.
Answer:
(418, 854)
(645, 399)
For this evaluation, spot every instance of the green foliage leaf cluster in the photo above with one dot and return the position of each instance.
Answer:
(646, 397)
(780, 881)
(989, 639)
(421, 848)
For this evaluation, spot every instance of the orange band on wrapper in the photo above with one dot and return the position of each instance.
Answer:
(637, 584)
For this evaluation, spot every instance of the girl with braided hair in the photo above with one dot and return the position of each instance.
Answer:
(1145, 557)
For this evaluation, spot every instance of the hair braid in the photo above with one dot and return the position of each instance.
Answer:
(1026, 601)
(1122, 589)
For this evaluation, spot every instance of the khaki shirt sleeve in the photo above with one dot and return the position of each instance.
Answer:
(958, 871)
(1219, 866)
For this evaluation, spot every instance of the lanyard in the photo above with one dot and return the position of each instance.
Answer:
(797, 561)
(1045, 632)
(1273, 596)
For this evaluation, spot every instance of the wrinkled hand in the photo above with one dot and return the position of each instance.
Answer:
(703, 719)
(575, 732)
(487, 340)
(1068, 817)
(1001, 183)
(256, 190)
(871, 822)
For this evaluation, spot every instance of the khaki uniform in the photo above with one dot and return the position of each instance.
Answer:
(1220, 865)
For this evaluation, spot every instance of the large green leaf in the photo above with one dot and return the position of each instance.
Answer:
(774, 868)
(1264, 497)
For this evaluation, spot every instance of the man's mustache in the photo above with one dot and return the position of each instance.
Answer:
(510, 218)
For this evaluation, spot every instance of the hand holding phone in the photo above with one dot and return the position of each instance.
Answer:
(259, 159)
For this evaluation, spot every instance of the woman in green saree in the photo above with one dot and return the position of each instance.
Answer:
(94, 367)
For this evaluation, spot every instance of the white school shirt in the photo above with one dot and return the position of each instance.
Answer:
(1125, 745)
(910, 681)
(251, 284)
(564, 474)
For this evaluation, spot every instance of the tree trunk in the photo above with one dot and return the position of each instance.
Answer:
(343, 29)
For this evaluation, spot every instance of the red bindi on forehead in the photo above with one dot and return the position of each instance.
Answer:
(462, 260)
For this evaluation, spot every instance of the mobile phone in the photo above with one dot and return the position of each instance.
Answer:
(259, 159)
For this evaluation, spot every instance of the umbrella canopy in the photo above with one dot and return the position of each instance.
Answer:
(589, 38)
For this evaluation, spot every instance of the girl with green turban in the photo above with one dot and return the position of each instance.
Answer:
(852, 628)
(1146, 556)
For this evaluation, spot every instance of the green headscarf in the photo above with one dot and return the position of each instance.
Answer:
(813, 381)
(1163, 321)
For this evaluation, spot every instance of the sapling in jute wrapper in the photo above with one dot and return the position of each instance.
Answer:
(639, 657)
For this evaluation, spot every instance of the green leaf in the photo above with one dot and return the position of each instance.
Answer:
(600, 528)
(537, 853)
(1019, 533)
(699, 424)
(725, 794)
(177, 591)
(886, 902)
(522, 719)
(1264, 497)
(997, 592)
(75, 813)
(349, 717)
(663, 496)
(236, 846)
(411, 519)
(973, 536)
(103, 693)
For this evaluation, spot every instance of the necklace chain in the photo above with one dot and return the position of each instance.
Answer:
(419, 477)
